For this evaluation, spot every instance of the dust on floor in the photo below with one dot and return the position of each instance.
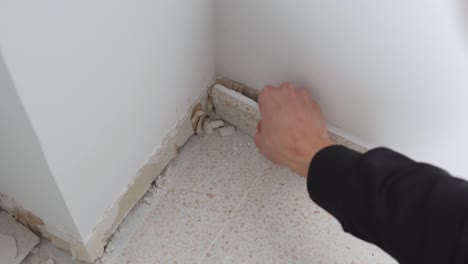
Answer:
(222, 202)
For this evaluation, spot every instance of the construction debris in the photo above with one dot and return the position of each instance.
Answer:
(199, 129)
(16, 241)
(236, 109)
(227, 131)
(216, 124)
(8, 248)
(196, 118)
(207, 128)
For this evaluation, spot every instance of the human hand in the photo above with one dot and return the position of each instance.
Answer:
(292, 128)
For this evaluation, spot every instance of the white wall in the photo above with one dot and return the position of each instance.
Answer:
(24, 174)
(391, 73)
(102, 83)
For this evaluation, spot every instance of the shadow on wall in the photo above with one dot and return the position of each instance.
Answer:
(463, 13)
(25, 176)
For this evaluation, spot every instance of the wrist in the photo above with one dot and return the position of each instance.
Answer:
(300, 165)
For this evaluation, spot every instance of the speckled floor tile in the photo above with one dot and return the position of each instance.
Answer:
(278, 223)
(197, 203)
(221, 202)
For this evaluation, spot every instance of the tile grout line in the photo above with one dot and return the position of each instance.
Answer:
(229, 220)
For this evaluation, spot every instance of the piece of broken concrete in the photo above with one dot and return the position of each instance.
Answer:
(24, 239)
(227, 131)
(216, 124)
(8, 249)
(236, 109)
(207, 127)
(213, 115)
(50, 261)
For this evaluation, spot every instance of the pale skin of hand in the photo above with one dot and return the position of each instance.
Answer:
(292, 129)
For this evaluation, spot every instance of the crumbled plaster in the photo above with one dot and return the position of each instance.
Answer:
(8, 249)
(26, 218)
(59, 238)
(15, 237)
(207, 128)
(200, 123)
(22, 215)
(216, 124)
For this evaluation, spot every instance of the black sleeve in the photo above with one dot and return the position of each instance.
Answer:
(414, 211)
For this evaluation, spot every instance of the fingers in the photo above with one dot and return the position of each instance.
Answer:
(263, 96)
(304, 92)
(304, 95)
(268, 90)
(287, 86)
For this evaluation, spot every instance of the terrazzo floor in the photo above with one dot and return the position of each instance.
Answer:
(220, 201)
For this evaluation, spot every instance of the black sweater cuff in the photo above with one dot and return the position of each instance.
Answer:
(327, 177)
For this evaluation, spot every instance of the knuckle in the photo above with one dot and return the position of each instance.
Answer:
(264, 93)
(288, 88)
(287, 85)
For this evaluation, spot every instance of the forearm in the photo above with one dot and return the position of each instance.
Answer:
(414, 211)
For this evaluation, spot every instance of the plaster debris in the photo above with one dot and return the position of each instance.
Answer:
(196, 118)
(227, 131)
(50, 261)
(110, 246)
(35, 250)
(16, 241)
(207, 128)
(209, 104)
(213, 115)
(149, 195)
(216, 124)
(196, 108)
(8, 250)
(199, 129)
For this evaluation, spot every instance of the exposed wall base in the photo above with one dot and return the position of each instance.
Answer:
(155, 165)
(237, 104)
(93, 248)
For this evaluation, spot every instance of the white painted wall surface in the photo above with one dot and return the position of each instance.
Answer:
(102, 83)
(391, 73)
(24, 174)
